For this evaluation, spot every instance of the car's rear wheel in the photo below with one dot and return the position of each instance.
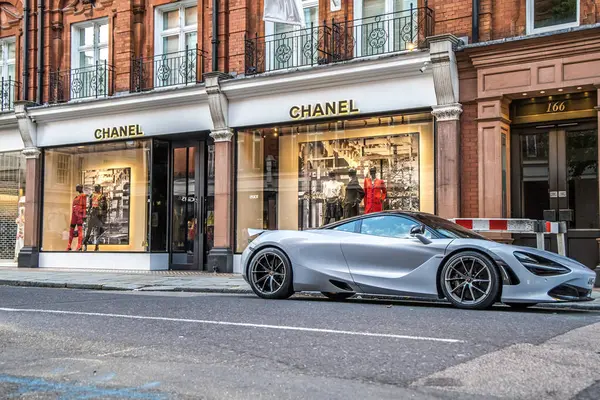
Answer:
(520, 306)
(337, 296)
(270, 274)
(470, 280)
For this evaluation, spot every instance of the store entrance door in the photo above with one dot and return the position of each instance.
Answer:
(192, 204)
(555, 177)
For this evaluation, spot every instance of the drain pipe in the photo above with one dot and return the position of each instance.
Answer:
(40, 53)
(26, 50)
(215, 35)
(475, 23)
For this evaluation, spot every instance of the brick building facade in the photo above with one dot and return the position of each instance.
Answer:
(102, 59)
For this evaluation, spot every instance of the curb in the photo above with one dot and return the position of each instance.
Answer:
(584, 306)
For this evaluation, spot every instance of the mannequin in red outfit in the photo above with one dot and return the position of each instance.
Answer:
(77, 217)
(375, 192)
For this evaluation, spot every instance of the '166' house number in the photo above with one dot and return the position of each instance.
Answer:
(556, 106)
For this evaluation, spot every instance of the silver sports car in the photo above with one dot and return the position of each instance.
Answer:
(409, 254)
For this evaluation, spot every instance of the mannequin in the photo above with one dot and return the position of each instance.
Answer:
(77, 217)
(332, 191)
(20, 221)
(97, 210)
(354, 195)
(375, 192)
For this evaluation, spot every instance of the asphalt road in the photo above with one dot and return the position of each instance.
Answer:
(75, 344)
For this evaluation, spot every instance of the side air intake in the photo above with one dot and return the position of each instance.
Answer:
(341, 285)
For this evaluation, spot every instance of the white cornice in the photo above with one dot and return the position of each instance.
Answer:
(156, 99)
(352, 72)
(8, 120)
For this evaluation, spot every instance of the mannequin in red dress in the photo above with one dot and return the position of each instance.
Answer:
(375, 192)
(77, 216)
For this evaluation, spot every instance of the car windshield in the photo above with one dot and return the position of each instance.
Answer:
(448, 229)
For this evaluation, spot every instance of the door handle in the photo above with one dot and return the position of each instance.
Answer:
(201, 219)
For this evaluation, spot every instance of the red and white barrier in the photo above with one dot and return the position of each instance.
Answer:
(516, 225)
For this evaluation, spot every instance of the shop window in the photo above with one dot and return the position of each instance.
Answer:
(12, 207)
(549, 15)
(290, 46)
(111, 209)
(310, 175)
(89, 58)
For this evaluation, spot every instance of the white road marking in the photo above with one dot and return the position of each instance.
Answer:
(121, 351)
(240, 324)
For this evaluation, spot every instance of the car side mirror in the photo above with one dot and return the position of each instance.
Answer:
(417, 230)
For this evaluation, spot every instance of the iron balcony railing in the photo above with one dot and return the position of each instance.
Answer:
(171, 69)
(340, 40)
(81, 83)
(9, 91)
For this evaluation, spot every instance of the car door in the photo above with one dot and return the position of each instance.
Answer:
(385, 259)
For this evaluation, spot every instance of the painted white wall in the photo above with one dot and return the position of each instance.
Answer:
(10, 140)
(184, 118)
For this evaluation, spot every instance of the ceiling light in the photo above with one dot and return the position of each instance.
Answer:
(560, 90)
(524, 94)
(543, 91)
(579, 87)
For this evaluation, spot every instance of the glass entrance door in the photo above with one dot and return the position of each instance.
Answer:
(555, 177)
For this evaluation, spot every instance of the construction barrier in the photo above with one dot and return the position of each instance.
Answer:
(514, 225)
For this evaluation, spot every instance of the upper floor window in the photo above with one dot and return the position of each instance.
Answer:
(8, 57)
(549, 15)
(176, 28)
(90, 44)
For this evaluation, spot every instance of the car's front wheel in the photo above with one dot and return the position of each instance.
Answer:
(470, 280)
(270, 274)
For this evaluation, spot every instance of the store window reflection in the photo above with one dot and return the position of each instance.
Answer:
(305, 176)
(96, 197)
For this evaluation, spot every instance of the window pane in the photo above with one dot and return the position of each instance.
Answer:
(115, 191)
(11, 50)
(372, 8)
(170, 44)
(349, 227)
(86, 58)
(86, 36)
(191, 16)
(170, 19)
(12, 207)
(103, 33)
(11, 72)
(191, 40)
(554, 12)
(582, 177)
(103, 53)
(396, 227)
(535, 174)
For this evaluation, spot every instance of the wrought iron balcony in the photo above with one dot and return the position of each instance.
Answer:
(171, 69)
(340, 41)
(81, 83)
(9, 91)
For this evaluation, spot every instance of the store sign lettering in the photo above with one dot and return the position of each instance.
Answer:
(329, 109)
(119, 132)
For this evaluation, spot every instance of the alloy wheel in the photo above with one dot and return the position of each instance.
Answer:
(468, 280)
(268, 273)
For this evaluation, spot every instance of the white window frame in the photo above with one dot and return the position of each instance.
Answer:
(96, 46)
(270, 29)
(531, 15)
(6, 62)
(181, 30)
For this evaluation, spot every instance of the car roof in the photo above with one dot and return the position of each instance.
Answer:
(413, 214)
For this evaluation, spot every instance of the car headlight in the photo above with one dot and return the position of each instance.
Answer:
(540, 266)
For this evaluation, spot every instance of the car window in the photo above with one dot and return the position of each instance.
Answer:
(349, 227)
(388, 226)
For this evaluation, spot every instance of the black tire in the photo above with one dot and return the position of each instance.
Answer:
(270, 274)
(338, 296)
(520, 306)
(471, 274)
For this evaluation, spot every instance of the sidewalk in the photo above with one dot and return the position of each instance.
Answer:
(164, 281)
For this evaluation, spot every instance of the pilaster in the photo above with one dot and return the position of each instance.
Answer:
(220, 258)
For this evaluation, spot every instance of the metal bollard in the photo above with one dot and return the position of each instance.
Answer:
(561, 243)
(539, 237)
